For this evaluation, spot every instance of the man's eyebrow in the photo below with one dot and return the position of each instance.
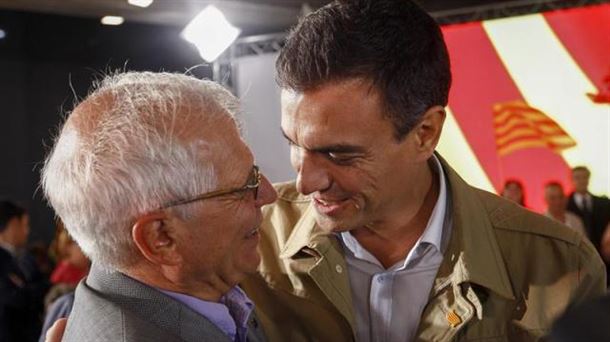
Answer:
(334, 148)
(340, 148)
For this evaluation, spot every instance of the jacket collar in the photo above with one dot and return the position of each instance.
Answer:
(473, 254)
(305, 234)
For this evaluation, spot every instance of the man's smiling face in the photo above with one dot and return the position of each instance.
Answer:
(346, 155)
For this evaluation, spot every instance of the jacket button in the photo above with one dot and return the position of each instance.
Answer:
(339, 269)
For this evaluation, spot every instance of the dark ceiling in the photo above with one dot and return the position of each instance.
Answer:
(252, 16)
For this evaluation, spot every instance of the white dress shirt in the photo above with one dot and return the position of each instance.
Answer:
(583, 202)
(388, 303)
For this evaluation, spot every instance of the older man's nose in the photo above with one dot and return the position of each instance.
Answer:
(266, 193)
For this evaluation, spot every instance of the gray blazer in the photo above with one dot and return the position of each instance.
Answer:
(113, 307)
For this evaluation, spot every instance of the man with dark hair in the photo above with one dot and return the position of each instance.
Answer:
(379, 239)
(18, 317)
(593, 210)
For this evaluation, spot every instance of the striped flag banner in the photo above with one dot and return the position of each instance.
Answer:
(518, 126)
(530, 100)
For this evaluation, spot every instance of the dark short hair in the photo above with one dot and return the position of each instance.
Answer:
(581, 168)
(9, 210)
(554, 184)
(392, 43)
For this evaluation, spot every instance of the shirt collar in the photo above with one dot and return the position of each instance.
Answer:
(583, 200)
(432, 235)
(231, 313)
(473, 255)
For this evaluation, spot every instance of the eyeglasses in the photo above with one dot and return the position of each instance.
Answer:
(253, 182)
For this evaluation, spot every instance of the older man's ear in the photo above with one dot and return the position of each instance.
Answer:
(155, 240)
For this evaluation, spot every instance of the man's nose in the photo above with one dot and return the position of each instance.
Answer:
(266, 193)
(312, 175)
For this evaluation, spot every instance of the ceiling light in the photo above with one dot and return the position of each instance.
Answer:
(140, 3)
(112, 20)
(210, 32)
(2, 34)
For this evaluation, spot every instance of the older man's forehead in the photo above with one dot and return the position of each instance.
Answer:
(89, 113)
(172, 115)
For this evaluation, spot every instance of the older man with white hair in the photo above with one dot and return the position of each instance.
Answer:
(152, 179)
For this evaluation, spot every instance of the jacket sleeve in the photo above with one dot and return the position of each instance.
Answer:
(591, 274)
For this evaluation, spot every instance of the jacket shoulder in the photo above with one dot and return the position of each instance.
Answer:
(94, 317)
(538, 249)
(508, 216)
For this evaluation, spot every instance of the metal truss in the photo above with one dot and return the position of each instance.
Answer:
(246, 46)
(272, 43)
(507, 9)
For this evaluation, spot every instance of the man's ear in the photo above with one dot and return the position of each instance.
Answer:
(155, 240)
(428, 131)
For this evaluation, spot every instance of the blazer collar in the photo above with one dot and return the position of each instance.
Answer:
(152, 305)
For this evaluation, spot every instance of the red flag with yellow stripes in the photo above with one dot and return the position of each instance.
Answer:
(520, 126)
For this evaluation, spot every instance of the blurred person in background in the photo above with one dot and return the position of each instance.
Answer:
(556, 202)
(72, 263)
(587, 322)
(593, 210)
(20, 302)
(72, 266)
(513, 191)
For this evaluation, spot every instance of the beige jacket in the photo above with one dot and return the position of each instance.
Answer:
(507, 273)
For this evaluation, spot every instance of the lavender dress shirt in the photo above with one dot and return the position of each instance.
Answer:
(230, 315)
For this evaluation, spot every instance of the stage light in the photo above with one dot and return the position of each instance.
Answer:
(2, 34)
(210, 32)
(140, 3)
(112, 20)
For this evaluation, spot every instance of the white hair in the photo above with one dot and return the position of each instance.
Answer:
(120, 155)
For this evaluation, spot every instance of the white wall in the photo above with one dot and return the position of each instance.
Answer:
(254, 84)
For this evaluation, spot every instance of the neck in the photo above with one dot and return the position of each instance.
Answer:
(392, 240)
(167, 279)
(558, 214)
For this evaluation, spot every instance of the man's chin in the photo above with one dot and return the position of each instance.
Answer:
(331, 226)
